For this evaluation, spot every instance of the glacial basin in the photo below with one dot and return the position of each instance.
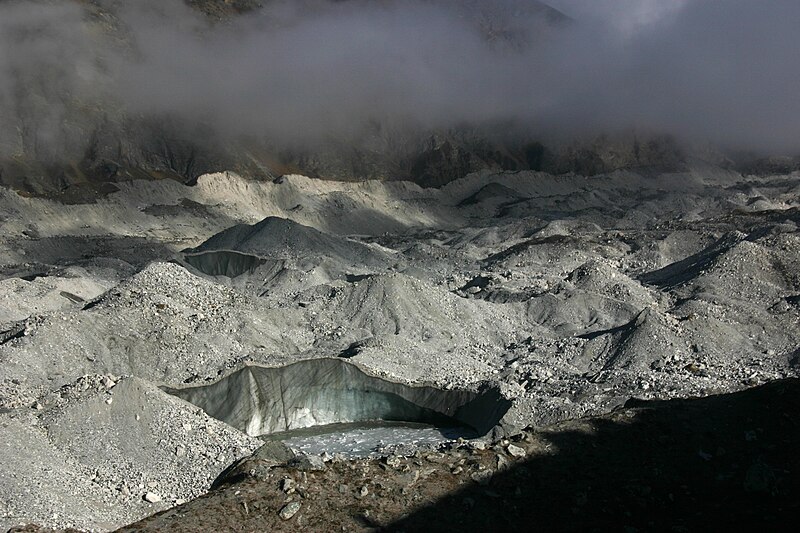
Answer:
(316, 403)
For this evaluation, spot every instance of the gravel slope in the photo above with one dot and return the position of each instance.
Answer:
(568, 294)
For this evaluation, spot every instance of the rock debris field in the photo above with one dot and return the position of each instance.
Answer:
(500, 301)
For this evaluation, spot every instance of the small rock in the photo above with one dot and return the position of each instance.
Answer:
(180, 451)
(316, 463)
(516, 451)
(478, 445)
(482, 477)
(289, 510)
(288, 485)
(152, 497)
(393, 461)
(109, 401)
(363, 491)
(311, 463)
(693, 368)
(409, 478)
(502, 463)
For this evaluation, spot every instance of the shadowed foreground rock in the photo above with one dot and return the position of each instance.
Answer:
(720, 463)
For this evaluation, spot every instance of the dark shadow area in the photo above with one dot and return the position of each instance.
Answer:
(353, 350)
(224, 263)
(32, 277)
(355, 278)
(721, 463)
(17, 331)
(67, 250)
(74, 298)
(594, 334)
(492, 191)
(687, 269)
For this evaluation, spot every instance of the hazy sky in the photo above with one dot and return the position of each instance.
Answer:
(724, 71)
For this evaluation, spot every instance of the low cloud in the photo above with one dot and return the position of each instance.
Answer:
(299, 71)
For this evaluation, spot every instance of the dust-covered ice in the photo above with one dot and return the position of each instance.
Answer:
(566, 294)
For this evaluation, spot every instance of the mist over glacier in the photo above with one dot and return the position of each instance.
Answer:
(723, 72)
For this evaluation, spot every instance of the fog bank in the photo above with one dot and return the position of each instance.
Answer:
(301, 71)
